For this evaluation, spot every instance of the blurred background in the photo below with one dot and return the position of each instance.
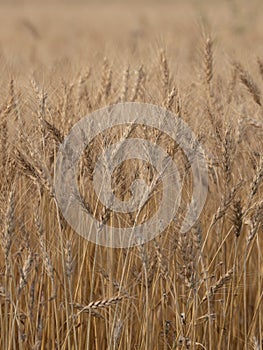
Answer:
(65, 33)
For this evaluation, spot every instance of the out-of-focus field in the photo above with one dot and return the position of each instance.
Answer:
(201, 60)
(38, 35)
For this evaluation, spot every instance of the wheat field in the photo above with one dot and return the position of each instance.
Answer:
(61, 61)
